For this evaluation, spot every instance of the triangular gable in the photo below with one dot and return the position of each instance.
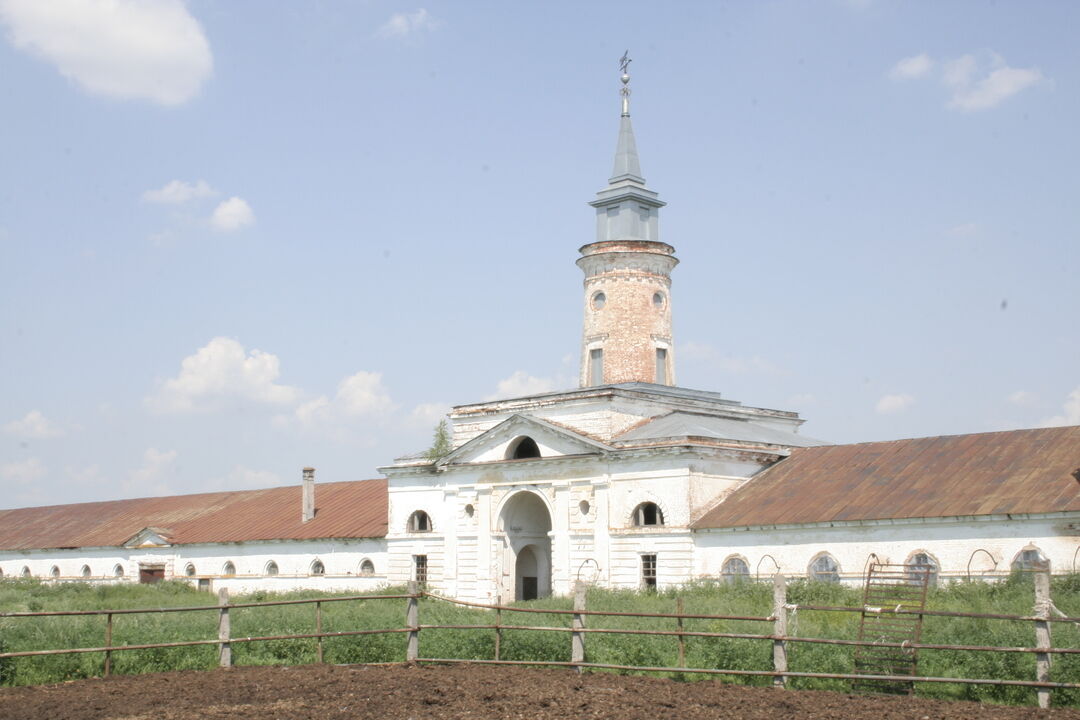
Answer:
(150, 537)
(554, 441)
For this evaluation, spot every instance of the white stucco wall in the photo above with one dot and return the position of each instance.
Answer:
(950, 541)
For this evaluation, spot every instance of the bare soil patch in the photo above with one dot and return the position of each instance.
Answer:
(475, 692)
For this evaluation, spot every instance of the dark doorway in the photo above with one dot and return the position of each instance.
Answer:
(151, 574)
(529, 588)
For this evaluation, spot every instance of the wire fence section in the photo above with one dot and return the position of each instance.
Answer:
(778, 636)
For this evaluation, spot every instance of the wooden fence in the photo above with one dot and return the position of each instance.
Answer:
(578, 629)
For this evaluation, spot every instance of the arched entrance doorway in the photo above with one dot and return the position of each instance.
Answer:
(526, 526)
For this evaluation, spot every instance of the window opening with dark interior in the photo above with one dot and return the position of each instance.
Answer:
(229, 569)
(367, 568)
(648, 571)
(647, 514)
(522, 448)
(824, 568)
(271, 568)
(420, 569)
(661, 366)
(317, 568)
(419, 522)
(734, 569)
(1030, 559)
(921, 565)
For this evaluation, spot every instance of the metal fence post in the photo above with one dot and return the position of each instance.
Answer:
(108, 644)
(682, 640)
(577, 638)
(318, 631)
(224, 647)
(779, 647)
(412, 622)
(1042, 635)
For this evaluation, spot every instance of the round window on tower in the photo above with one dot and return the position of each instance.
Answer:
(658, 300)
(599, 300)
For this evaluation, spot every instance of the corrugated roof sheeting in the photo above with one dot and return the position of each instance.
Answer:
(343, 510)
(1021, 471)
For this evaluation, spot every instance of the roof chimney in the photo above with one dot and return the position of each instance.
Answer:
(308, 490)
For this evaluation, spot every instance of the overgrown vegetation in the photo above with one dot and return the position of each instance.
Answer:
(1013, 596)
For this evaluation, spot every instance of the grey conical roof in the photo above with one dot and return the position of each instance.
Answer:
(627, 165)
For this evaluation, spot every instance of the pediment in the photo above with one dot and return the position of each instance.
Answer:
(552, 441)
(150, 537)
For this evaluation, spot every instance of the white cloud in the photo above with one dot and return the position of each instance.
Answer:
(975, 87)
(1023, 398)
(889, 404)
(363, 394)
(1070, 414)
(23, 471)
(179, 192)
(152, 477)
(244, 478)
(428, 415)
(406, 24)
(232, 214)
(147, 49)
(520, 384)
(734, 364)
(33, 426)
(220, 372)
(912, 67)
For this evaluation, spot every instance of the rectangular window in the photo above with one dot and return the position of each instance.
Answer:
(596, 366)
(648, 572)
(661, 366)
(420, 570)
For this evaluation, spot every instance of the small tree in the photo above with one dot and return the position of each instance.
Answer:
(440, 444)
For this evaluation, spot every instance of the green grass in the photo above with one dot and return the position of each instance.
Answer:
(1013, 596)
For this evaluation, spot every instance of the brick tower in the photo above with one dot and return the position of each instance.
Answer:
(627, 336)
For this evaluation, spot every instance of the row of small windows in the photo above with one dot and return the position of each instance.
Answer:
(84, 572)
(367, 567)
(825, 568)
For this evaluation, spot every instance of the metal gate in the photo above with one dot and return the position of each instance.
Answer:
(891, 588)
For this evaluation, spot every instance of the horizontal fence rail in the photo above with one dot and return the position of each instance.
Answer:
(780, 638)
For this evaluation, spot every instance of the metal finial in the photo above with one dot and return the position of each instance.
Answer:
(624, 66)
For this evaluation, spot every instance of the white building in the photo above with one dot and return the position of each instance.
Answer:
(627, 481)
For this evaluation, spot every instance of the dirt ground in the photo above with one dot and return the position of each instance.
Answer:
(475, 692)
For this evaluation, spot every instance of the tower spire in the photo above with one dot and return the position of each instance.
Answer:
(627, 333)
(627, 164)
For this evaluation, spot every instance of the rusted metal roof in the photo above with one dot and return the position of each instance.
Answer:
(356, 509)
(1020, 471)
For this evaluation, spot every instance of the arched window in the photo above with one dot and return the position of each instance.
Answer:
(317, 568)
(367, 567)
(271, 568)
(85, 572)
(189, 570)
(919, 565)
(25, 571)
(734, 569)
(419, 522)
(228, 570)
(647, 514)
(1030, 559)
(824, 568)
(118, 571)
(522, 448)
(54, 571)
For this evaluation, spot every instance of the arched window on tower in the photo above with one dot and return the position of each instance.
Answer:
(522, 448)
(419, 522)
(648, 514)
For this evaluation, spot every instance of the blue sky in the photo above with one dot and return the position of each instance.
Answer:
(237, 238)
